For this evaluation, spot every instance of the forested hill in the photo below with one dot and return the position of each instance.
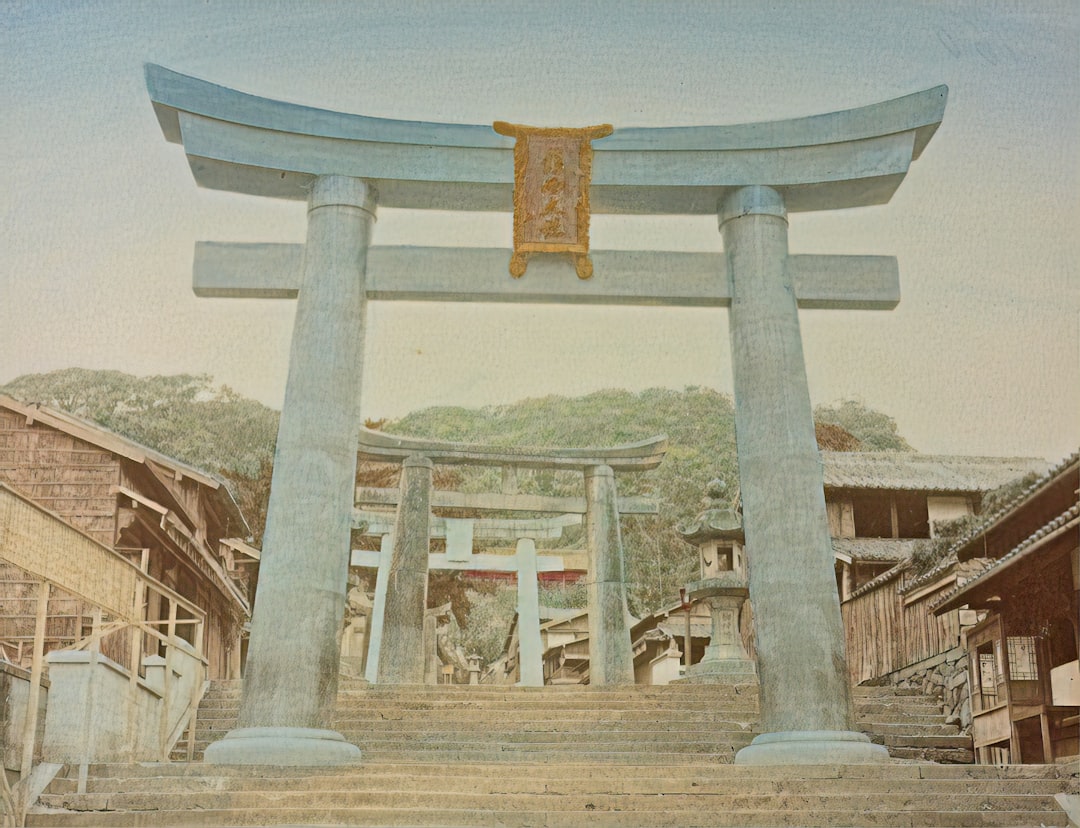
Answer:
(182, 416)
(214, 428)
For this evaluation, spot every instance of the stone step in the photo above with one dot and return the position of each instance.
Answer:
(698, 817)
(487, 725)
(952, 756)
(375, 777)
(218, 720)
(908, 741)
(559, 795)
(705, 691)
(912, 728)
(1006, 774)
(345, 798)
(402, 750)
(661, 708)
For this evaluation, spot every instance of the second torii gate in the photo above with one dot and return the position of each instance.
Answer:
(751, 176)
(401, 654)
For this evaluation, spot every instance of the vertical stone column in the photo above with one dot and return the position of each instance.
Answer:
(530, 646)
(402, 656)
(290, 687)
(378, 609)
(805, 700)
(610, 658)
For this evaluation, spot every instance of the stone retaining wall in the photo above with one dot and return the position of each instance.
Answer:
(944, 676)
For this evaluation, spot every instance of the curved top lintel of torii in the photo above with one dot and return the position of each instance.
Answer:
(639, 456)
(248, 144)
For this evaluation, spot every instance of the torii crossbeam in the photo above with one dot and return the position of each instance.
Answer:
(750, 175)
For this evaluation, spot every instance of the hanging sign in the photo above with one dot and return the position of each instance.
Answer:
(552, 167)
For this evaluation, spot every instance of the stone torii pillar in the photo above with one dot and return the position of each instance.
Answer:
(805, 701)
(402, 655)
(610, 660)
(290, 688)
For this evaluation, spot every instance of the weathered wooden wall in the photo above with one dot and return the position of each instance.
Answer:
(64, 474)
(79, 482)
(883, 635)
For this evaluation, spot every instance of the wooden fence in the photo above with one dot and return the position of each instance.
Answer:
(886, 630)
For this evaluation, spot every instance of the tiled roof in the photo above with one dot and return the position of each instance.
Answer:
(901, 470)
(992, 518)
(881, 550)
(1031, 543)
(884, 577)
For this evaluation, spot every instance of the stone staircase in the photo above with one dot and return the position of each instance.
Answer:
(557, 795)
(633, 725)
(569, 756)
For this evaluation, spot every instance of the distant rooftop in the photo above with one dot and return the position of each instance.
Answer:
(893, 470)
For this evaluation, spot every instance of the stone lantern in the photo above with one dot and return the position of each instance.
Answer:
(722, 587)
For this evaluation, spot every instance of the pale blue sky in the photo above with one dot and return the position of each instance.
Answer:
(100, 214)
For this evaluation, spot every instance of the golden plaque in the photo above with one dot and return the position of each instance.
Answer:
(552, 167)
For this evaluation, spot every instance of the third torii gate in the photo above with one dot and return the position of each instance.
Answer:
(751, 176)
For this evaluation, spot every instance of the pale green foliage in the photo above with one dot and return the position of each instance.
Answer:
(488, 624)
(699, 422)
(182, 416)
(559, 596)
(874, 430)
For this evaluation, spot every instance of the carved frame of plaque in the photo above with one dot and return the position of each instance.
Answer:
(552, 169)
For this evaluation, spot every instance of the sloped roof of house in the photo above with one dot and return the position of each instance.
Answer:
(1053, 476)
(1067, 521)
(900, 470)
(110, 441)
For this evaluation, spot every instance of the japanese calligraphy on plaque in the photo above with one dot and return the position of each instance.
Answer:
(552, 167)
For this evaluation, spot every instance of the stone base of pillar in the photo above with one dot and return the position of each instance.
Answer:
(722, 671)
(812, 747)
(282, 746)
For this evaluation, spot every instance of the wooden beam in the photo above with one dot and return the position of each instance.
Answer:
(621, 277)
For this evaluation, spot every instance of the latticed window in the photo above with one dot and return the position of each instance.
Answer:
(1023, 662)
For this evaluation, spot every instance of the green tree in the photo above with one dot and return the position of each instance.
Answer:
(182, 416)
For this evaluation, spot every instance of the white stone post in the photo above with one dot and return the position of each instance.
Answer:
(290, 688)
(530, 647)
(378, 609)
(805, 701)
(402, 656)
(611, 661)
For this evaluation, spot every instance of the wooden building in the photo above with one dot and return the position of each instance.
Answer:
(1022, 652)
(178, 524)
(881, 503)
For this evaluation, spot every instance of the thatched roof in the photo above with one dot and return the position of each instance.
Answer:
(874, 550)
(900, 470)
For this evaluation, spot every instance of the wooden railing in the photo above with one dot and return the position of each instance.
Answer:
(57, 582)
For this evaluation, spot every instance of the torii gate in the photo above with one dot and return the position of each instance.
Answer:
(401, 661)
(750, 175)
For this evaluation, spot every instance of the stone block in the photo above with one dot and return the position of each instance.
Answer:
(958, 680)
